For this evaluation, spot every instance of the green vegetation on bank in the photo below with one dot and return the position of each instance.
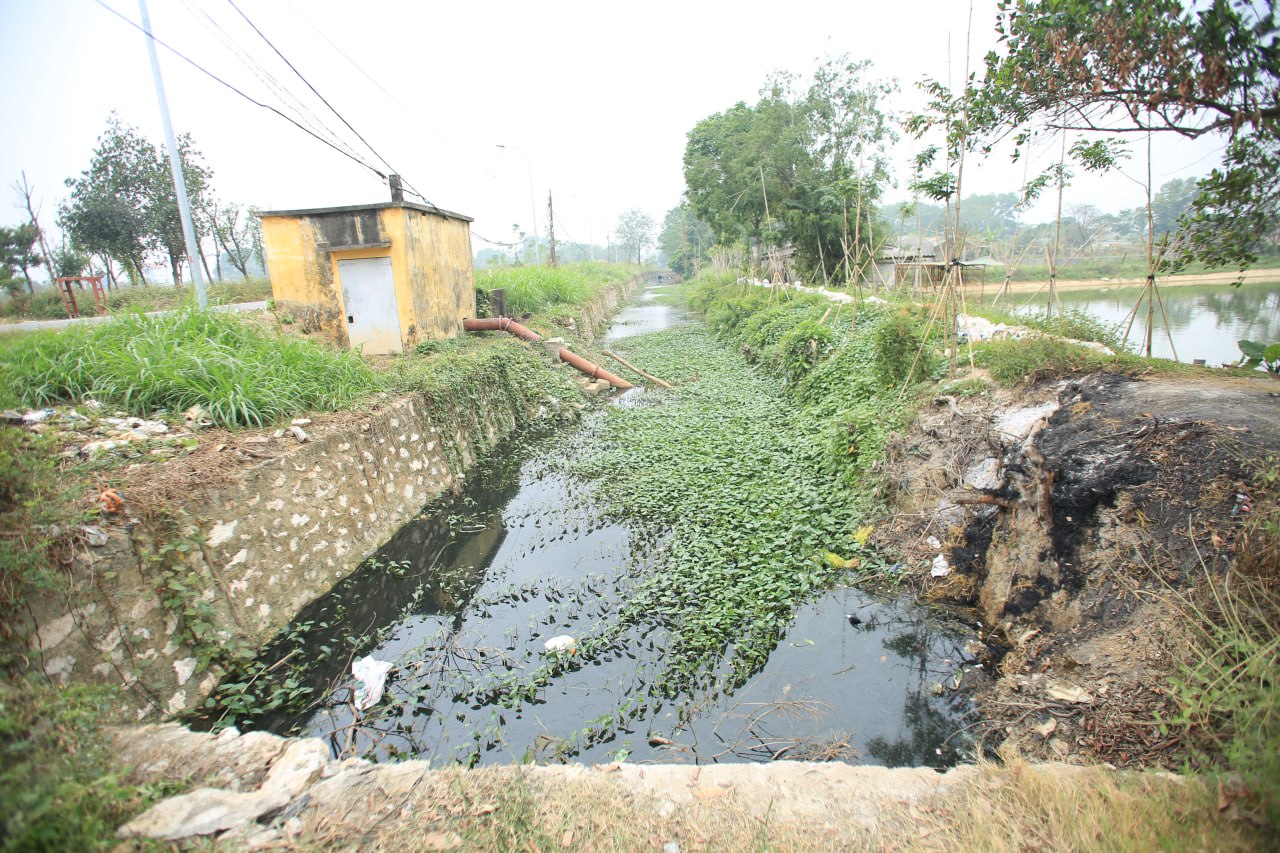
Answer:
(1131, 266)
(547, 290)
(241, 374)
(59, 788)
(47, 304)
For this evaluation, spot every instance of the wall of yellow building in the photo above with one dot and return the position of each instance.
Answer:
(431, 270)
(303, 283)
(441, 272)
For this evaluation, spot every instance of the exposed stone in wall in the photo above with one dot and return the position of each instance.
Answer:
(238, 561)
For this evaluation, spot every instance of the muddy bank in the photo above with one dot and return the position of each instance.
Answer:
(219, 549)
(1069, 516)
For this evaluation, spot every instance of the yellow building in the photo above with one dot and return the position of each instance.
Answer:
(381, 277)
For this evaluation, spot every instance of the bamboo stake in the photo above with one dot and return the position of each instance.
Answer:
(629, 366)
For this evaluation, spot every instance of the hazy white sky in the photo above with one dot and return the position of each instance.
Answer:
(594, 98)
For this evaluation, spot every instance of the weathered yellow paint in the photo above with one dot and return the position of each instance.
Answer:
(302, 282)
(430, 263)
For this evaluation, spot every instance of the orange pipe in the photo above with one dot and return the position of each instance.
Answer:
(506, 324)
(500, 324)
(595, 371)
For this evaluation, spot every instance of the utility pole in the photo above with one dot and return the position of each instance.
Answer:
(175, 163)
(551, 229)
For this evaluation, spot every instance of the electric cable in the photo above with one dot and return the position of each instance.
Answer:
(265, 77)
(242, 94)
(325, 101)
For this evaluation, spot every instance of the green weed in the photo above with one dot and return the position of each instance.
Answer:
(58, 788)
(47, 304)
(535, 289)
(239, 373)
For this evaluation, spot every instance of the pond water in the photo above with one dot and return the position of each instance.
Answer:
(1204, 321)
(463, 600)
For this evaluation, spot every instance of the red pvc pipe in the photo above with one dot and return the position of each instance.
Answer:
(500, 324)
(595, 371)
(506, 324)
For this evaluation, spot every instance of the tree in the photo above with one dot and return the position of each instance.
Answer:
(800, 167)
(635, 232)
(163, 215)
(238, 234)
(124, 205)
(17, 252)
(21, 251)
(27, 193)
(685, 239)
(106, 212)
(1188, 67)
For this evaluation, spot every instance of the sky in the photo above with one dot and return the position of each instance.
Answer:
(592, 101)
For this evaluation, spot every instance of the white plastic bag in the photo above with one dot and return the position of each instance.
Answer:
(372, 675)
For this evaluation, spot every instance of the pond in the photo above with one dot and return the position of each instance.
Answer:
(463, 600)
(1204, 321)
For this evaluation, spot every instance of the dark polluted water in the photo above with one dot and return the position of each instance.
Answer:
(463, 600)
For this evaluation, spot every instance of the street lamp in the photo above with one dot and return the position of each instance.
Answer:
(533, 203)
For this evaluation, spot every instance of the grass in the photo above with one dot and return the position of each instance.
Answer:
(1016, 807)
(59, 789)
(240, 374)
(537, 290)
(1228, 689)
(47, 304)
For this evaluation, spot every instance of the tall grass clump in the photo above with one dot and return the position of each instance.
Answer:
(240, 374)
(1229, 689)
(533, 290)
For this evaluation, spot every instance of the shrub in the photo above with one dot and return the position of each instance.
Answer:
(1034, 359)
(902, 350)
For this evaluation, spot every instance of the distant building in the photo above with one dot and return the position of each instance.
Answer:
(381, 277)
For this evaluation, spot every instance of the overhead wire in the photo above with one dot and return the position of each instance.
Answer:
(239, 92)
(325, 101)
(265, 77)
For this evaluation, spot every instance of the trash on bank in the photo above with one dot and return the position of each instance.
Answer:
(372, 675)
(941, 568)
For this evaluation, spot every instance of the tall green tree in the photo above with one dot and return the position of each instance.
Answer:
(124, 205)
(635, 232)
(802, 167)
(685, 239)
(106, 210)
(1188, 67)
(163, 216)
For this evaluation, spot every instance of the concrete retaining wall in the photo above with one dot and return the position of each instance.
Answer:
(156, 602)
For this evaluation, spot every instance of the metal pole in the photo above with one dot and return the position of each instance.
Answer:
(533, 202)
(175, 163)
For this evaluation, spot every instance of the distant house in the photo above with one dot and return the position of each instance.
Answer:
(381, 277)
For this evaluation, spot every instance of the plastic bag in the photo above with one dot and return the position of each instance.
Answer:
(372, 675)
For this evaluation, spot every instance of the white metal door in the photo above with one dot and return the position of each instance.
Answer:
(369, 293)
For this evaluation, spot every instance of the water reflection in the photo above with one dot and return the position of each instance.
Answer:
(1205, 321)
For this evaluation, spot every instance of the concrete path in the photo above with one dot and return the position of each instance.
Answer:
(39, 325)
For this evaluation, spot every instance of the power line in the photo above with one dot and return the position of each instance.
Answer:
(265, 77)
(248, 98)
(323, 99)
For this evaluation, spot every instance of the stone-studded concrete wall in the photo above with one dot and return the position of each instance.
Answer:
(246, 557)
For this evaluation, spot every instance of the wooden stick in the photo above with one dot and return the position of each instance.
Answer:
(629, 366)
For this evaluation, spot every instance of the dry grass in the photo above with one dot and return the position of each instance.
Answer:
(1018, 807)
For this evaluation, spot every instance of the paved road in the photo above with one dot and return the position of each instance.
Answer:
(37, 325)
